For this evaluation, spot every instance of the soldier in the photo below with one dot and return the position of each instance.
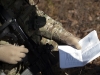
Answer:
(51, 32)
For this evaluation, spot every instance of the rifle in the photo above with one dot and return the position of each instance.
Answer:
(40, 58)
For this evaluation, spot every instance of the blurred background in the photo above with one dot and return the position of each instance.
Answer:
(78, 17)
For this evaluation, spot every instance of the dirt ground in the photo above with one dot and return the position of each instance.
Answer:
(79, 17)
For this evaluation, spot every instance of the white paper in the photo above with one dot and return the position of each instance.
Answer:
(68, 56)
(71, 57)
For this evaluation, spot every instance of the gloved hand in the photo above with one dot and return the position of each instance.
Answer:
(58, 33)
(12, 54)
(73, 41)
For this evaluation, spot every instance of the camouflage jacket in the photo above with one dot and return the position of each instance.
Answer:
(22, 11)
(52, 31)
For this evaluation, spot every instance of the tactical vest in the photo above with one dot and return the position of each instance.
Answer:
(26, 16)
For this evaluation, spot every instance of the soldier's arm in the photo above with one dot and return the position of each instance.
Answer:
(54, 30)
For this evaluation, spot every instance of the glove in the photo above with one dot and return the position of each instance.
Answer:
(12, 54)
(53, 30)
(73, 41)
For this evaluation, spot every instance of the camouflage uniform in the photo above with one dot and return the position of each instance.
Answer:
(52, 30)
